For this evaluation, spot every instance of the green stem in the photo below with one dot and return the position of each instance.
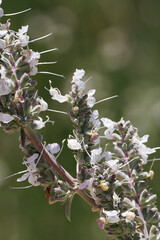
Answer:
(57, 167)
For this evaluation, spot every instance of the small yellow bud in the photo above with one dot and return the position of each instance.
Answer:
(104, 185)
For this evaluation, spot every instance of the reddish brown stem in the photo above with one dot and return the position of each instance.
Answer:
(57, 167)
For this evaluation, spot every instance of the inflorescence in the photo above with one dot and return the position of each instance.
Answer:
(109, 155)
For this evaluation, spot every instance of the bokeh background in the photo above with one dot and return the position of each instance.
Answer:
(118, 44)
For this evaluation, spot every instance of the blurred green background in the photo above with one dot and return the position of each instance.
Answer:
(118, 44)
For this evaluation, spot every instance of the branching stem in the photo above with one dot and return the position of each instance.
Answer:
(57, 167)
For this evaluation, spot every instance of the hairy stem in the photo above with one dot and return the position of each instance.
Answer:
(57, 167)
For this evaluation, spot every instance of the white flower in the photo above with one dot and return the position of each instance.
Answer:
(56, 95)
(73, 144)
(129, 215)
(43, 105)
(88, 184)
(112, 164)
(53, 148)
(6, 118)
(22, 36)
(3, 33)
(112, 216)
(107, 155)
(39, 123)
(91, 100)
(96, 155)
(31, 171)
(2, 44)
(31, 158)
(4, 89)
(142, 148)
(32, 58)
(110, 125)
(77, 76)
(94, 119)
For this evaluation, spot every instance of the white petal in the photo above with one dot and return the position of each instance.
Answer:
(73, 144)
(2, 44)
(4, 89)
(44, 105)
(91, 101)
(144, 139)
(24, 177)
(108, 122)
(3, 33)
(6, 118)
(96, 155)
(39, 123)
(31, 158)
(53, 148)
(78, 74)
(33, 180)
(56, 95)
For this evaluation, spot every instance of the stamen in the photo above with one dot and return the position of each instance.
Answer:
(41, 63)
(61, 149)
(155, 159)
(29, 186)
(12, 14)
(40, 38)
(40, 155)
(86, 149)
(54, 74)
(105, 99)
(128, 162)
(151, 165)
(85, 82)
(49, 50)
(52, 110)
(48, 120)
(14, 174)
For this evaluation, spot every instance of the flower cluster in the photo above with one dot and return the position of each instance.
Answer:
(18, 63)
(115, 180)
(110, 175)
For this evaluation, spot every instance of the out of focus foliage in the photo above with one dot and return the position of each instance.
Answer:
(118, 44)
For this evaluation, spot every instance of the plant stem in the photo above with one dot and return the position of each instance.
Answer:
(57, 167)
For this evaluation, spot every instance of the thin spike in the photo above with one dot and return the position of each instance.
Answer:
(41, 63)
(12, 14)
(155, 159)
(105, 99)
(29, 186)
(40, 155)
(49, 50)
(40, 38)
(14, 174)
(156, 148)
(52, 110)
(54, 74)
(61, 149)
(128, 162)
(85, 82)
